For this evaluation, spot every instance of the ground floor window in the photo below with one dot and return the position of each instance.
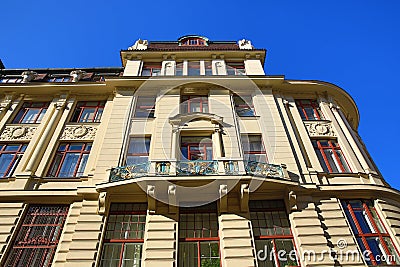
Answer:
(198, 237)
(38, 236)
(123, 239)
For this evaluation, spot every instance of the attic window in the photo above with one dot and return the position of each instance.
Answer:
(193, 42)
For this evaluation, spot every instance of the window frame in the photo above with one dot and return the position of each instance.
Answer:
(18, 154)
(138, 107)
(272, 237)
(201, 210)
(235, 68)
(203, 146)
(321, 151)
(140, 213)
(151, 67)
(367, 206)
(187, 100)
(143, 154)
(245, 105)
(64, 153)
(39, 241)
(261, 152)
(99, 107)
(26, 107)
(301, 107)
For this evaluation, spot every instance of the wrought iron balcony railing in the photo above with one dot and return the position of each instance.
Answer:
(129, 172)
(197, 167)
(264, 169)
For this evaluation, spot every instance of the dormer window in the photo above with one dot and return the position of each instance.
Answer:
(193, 41)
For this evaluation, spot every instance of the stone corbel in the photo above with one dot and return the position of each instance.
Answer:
(151, 198)
(6, 102)
(102, 203)
(223, 197)
(77, 75)
(28, 76)
(62, 100)
(172, 205)
(244, 197)
(292, 201)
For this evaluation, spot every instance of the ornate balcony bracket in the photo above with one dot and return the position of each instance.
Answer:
(102, 203)
(264, 169)
(18, 132)
(197, 167)
(244, 197)
(151, 198)
(223, 197)
(129, 172)
(292, 201)
(320, 129)
(172, 207)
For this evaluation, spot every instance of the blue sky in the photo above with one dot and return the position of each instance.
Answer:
(354, 44)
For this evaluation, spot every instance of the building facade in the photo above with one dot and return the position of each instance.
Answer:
(187, 155)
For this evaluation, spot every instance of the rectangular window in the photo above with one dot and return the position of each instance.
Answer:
(194, 68)
(272, 234)
(151, 69)
(138, 150)
(145, 106)
(370, 233)
(194, 103)
(208, 68)
(123, 239)
(10, 155)
(196, 148)
(198, 236)
(179, 69)
(38, 236)
(330, 156)
(253, 148)
(244, 105)
(235, 68)
(309, 109)
(88, 111)
(31, 112)
(70, 160)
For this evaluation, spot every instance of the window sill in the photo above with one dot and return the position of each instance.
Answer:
(143, 118)
(63, 179)
(249, 117)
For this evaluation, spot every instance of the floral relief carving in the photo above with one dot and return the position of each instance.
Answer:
(79, 132)
(317, 128)
(18, 132)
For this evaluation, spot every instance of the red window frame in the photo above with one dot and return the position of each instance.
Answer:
(18, 153)
(28, 106)
(193, 68)
(154, 69)
(38, 236)
(63, 150)
(248, 151)
(145, 111)
(244, 102)
(188, 100)
(199, 233)
(342, 166)
(200, 153)
(82, 105)
(235, 68)
(304, 104)
(208, 68)
(260, 210)
(193, 42)
(367, 209)
(130, 230)
(141, 156)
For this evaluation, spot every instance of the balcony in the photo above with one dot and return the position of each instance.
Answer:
(197, 168)
(264, 169)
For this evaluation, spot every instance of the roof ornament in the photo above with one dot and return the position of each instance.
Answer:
(139, 45)
(77, 75)
(28, 76)
(245, 44)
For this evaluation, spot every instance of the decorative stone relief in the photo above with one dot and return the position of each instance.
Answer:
(318, 128)
(6, 103)
(79, 132)
(245, 44)
(18, 132)
(139, 45)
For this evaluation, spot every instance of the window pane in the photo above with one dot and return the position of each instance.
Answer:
(5, 163)
(132, 255)
(266, 258)
(188, 255)
(111, 254)
(69, 165)
(30, 116)
(209, 254)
